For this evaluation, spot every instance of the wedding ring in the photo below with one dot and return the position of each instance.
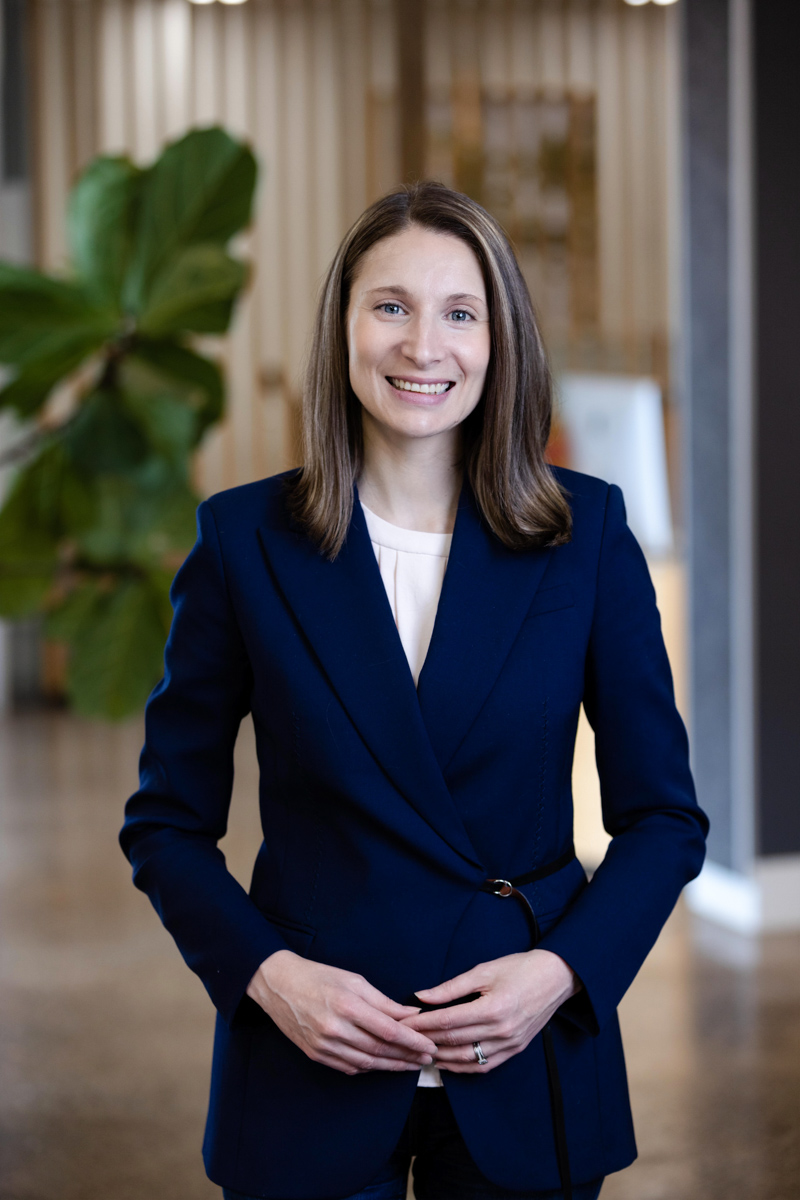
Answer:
(481, 1057)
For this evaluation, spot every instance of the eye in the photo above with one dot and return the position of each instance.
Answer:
(390, 308)
(461, 316)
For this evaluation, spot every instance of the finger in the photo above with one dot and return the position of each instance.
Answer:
(384, 1003)
(391, 1032)
(433, 1024)
(465, 1036)
(365, 1057)
(465, 1055)
(360, 1064)
(475, 1068)
(367, 1043)
(455, 988)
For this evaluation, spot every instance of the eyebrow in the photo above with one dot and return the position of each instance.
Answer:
(399, 290)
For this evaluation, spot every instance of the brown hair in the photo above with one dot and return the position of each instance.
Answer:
(504, 438)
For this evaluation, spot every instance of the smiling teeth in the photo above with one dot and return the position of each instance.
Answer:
(427, 389)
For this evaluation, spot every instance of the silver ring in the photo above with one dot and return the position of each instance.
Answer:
(481, 1057)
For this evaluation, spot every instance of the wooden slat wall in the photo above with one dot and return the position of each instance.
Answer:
(625, 59)
(314, 85)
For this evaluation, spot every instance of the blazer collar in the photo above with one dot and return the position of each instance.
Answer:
(486, 595)
(344, 612)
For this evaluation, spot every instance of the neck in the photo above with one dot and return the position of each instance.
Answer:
(412, 482)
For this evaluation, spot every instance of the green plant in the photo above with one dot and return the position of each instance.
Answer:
(101, 511)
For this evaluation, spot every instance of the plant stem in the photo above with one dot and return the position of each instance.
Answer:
(22, 449)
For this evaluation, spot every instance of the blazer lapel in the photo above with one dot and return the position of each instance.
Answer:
(486, 595)
(345, 614)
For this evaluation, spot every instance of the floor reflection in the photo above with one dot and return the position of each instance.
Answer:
(105, 1035)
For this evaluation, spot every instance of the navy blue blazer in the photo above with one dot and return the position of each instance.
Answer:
(384, 807)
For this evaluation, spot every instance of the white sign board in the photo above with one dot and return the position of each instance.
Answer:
(614, 427)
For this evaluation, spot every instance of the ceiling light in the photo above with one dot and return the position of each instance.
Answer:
(202, 1)
(636, 3)
(663, 3)
(233, 1)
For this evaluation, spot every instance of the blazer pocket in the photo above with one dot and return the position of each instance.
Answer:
(551, 600)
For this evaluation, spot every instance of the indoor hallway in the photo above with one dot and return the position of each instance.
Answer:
(106, 1036)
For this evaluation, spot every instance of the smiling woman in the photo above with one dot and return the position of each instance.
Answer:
(414, 620)
(425, 291)
(419, 352)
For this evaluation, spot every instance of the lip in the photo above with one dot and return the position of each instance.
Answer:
(420, 399)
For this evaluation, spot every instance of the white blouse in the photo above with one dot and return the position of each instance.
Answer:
(412, 566)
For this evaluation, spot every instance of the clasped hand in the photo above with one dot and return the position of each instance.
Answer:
(337, 1018)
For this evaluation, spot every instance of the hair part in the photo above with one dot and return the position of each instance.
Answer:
(504, 439)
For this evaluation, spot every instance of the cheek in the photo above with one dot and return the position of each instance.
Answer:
(476, 361)
(365, 350)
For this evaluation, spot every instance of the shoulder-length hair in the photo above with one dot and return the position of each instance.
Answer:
(503, 439)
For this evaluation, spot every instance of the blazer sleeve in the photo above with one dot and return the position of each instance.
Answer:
(175, 819)
(649, 805)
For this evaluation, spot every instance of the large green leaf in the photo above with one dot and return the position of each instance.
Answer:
(196, 377)
(140, 519)
(33, 506)
(200, 190)
(194, 293)
(101, 225)
(116, 646)
(47, 328)
(37, 311)
(168, 423)
(104, 437)
(28, 542)
(58, 356)
(23, 590)
(67, 621)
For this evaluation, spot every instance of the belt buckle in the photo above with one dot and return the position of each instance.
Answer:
(499, 887)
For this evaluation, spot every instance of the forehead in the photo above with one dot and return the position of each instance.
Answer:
(421, 258)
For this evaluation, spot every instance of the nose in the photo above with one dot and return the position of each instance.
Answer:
(422, 343)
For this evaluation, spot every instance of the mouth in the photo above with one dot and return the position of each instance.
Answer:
(434, 387)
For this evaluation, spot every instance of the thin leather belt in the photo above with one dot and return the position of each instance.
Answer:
(510, 887)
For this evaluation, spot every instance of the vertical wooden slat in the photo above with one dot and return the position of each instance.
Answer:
(296, 207)
(552, 57)
(206, 66)
(580, 35)
(53, 140)
(525, 46)
(438, 76)
(328, 188)
(84, 56)
(353, 109)
(271, 424)
(114, 57)
(466, 99)
(639, 200)
(240, 343)
(176, 43)
(384, 126)
(611, 200)
(410, 17)
(145, 80)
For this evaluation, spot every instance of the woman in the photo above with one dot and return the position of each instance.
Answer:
(411, 832)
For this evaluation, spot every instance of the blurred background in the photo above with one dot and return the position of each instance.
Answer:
(645, 160)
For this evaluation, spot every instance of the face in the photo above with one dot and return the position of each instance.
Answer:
(418, 334)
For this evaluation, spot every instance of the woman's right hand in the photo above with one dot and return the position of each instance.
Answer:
(337, 1018)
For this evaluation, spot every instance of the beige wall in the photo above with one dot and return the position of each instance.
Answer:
(313, 84)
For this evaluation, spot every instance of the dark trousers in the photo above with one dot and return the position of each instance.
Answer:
(443, 1167)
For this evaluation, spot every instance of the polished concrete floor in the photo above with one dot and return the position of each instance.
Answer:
(105, 1036)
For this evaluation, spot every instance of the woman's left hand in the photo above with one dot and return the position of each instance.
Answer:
(519, 994)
